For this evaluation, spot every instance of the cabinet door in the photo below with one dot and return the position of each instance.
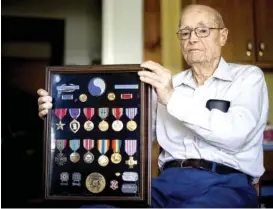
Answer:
(238, 17)
(152, 31)
(264, 31)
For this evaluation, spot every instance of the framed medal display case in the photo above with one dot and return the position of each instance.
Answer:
(97, 138)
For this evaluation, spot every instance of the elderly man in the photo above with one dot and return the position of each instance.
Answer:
(209, 120)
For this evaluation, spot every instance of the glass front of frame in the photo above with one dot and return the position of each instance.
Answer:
(96, 135)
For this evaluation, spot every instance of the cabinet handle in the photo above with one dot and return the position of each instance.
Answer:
(262, 46)
(249, 46)
(249, 49)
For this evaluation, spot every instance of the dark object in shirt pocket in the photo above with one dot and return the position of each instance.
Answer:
(222, 105)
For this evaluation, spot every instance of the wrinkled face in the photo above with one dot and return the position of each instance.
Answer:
(201, 49)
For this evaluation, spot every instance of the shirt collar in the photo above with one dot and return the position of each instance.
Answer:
(222, 72)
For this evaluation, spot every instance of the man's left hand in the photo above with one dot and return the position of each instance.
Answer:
(160, 78)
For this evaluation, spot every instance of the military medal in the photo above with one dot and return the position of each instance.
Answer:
(130, 149)
(83, 98)
(96, 86)
(103, 146)
(64, 177)
(76, 177)
(103, 112)
(74, 145)
(60, 158)
(88, 144)
(95, 182)
(60, 113)
(117, 125)
(111, 96)
(88, 112)
(74, 124)
(131, 113)
(116, 156)
(114, 184)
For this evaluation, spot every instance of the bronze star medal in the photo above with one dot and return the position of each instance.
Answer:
(60, 125)
(60, 113)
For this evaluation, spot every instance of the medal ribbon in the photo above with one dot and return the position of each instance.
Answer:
(117, 112)
(60, 112)
(61, 144)
(103, 112)
(131, 112)
(130, 147)
(88, 112)
(88, 144)
(74, 144)
(103, 145)
(116, 144)
(74, 112)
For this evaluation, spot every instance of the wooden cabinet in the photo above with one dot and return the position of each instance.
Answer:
(152, 31)
(264, 31)
(250, 29)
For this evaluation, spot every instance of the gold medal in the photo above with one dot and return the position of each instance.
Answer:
(131, 125)
(103, 125)
(103, 160)
(75, 157)
(131, 162)
(88, 157)
(111, 96)
(116, 158)
(95, 182)
(117, 125)
(88, 125)
(83, 98)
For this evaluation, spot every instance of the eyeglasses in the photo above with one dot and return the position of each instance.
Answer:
(200, 32)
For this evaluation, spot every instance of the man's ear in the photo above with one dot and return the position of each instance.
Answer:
(223, 36)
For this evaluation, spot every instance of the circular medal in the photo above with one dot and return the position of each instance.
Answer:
(88, 125)
(111, 96)
(103, 125)
(75, 157)
(103, 160)
(88, 157)
(83, 98)
(60, 159)
(117, 125)
(131, 125)
(95, 182)
(116, 158)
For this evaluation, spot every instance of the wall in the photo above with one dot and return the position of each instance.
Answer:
(82, 27)
(122, 32)
(171, 53)
(269, 82)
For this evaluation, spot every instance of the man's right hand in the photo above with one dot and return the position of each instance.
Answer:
(44, 102)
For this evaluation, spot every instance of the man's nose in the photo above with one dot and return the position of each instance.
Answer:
(193, 38)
